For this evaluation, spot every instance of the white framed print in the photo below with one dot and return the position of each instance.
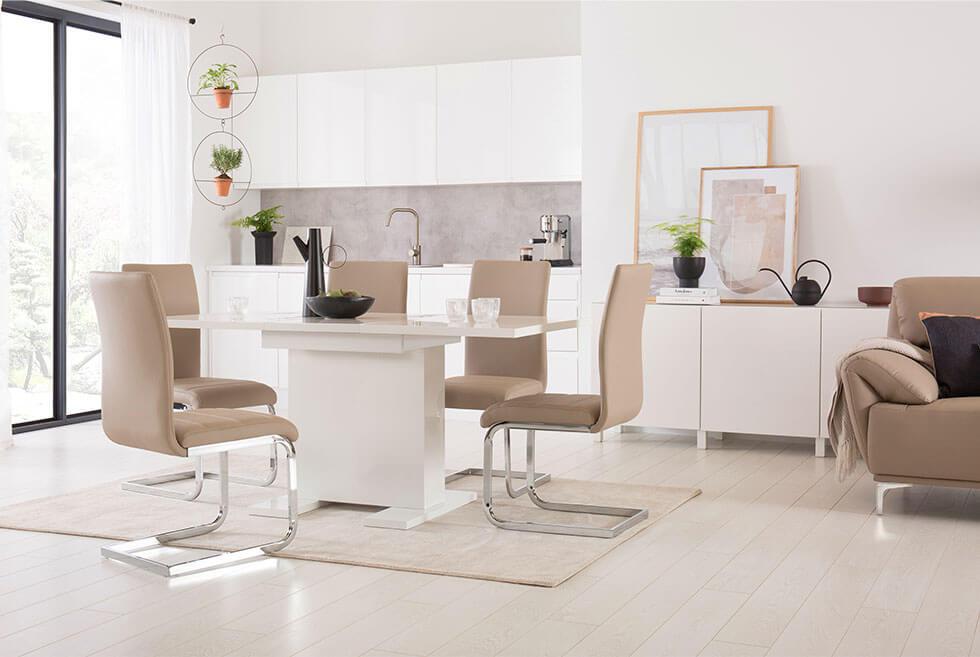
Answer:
(672, 148)
(754, 223)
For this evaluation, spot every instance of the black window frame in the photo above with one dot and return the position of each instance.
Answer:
(61, 20)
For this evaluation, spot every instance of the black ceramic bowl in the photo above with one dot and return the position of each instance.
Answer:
(339, 307)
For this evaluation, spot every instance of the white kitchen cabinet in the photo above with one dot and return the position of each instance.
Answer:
(546, 119)
(268, 130)
(239, 354)
(841, 329)
(563, 372)
(330, 148)
(436, 289)
(400, 106)
(760, 370)
(672, 367)
(474, 122)
(566, 340)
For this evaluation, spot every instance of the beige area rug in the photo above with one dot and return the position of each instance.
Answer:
(461, 543)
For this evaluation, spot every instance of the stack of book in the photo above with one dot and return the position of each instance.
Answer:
(692, 296)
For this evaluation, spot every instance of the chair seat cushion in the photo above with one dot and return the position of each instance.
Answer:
(206, 392)
(480, 391)
(940, 440)
(221, 425)
(548, 408)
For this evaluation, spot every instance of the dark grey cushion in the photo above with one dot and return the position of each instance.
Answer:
(955, 344)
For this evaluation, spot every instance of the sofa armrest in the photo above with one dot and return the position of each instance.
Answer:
(893, 377)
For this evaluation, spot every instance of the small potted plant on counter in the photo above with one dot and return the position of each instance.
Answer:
(222, 79)
(262, 224)
(687, 244)
(223, 160)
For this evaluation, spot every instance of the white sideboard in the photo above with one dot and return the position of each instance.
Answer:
(768, 370)
(279, 288)
(481, 122)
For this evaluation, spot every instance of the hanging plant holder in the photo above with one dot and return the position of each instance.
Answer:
(216, 87)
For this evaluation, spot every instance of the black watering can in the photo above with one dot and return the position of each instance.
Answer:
(806, 291)
(313, 254)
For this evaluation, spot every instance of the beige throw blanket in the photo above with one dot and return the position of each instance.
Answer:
(839, 426)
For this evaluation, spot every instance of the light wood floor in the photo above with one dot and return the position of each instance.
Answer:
(775, 557)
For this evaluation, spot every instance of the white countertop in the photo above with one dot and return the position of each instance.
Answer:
(376, 324)
(429, 271)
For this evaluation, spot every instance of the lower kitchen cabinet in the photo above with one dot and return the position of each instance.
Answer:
(239, 354)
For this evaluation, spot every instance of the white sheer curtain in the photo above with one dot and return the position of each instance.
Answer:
(157, 189)
(5, 432)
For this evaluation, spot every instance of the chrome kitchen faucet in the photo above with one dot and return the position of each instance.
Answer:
(416, 251)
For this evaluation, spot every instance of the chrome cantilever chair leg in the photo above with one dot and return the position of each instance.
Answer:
(151, 485)
(506, 474)
(128, 552)
(631, 516)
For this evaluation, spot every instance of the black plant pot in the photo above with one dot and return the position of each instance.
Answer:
(263, 247)
(688, 270)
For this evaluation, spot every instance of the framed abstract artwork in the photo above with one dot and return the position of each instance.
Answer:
(754, 214)
(672, 148)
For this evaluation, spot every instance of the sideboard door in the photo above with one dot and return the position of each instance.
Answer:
(842, 329)
(760, 370)
(671, 367)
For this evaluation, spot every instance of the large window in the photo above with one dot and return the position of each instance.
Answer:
(62, 102)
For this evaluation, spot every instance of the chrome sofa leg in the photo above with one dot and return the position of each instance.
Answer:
(128, 551)
(631, 516)
(881, 489)
(150, 485)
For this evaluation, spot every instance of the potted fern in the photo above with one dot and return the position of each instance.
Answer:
(222, 79)
(687, 244)
(262, 224)
(224, 160)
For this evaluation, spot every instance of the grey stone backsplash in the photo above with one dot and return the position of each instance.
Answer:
(459, 223)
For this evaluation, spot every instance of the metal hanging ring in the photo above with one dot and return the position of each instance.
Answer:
(329, 260)
(192, 94)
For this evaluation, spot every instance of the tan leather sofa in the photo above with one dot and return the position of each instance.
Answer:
(906, 434)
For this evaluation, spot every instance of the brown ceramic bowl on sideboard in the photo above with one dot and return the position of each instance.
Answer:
(875, 295)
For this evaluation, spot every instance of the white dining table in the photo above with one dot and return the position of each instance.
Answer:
(368, 398)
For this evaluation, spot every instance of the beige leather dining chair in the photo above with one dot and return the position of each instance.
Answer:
(497, 370)
(619, 400)
(386, 281)
(178, 291)
(138, 411)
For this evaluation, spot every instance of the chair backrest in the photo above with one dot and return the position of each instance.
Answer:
(953, 295)
(385, 280)
(620, 345)
(178, 291)
(137, 363)
(523, 290)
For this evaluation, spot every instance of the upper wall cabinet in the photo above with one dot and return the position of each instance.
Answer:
(268, 130)
(546, 119)
(330, 152)
(400, 106)
(474, 122)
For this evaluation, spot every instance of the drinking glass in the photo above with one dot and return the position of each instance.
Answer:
(486, 309)
(238, 306)
(456, 310)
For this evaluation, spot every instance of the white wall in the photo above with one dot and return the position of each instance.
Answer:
(876, 101)
(304, 37)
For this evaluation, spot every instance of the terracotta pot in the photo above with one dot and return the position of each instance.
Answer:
(222, 185)
(222, 96)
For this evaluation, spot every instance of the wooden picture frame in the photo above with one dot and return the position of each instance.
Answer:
(647, 248)
(787, 268)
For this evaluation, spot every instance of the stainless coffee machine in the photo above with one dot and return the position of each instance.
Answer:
(556, 245)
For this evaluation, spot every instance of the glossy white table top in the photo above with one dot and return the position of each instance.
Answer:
(376, 324)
